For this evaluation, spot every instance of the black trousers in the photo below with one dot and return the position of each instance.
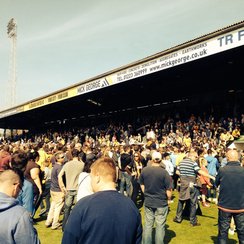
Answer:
(137, 195)
(192, 204)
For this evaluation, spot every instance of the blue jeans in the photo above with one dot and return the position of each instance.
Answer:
(125, 183)
(47, 195)
(224, 219)
(159, 216)
(70, 198)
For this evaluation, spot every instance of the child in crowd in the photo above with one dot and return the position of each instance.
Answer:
(47, 182)
(205, 182)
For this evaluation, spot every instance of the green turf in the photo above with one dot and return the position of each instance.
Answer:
(175, 233)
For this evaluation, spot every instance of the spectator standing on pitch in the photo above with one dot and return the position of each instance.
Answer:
(105, 216)
(173, 157)
(188, 170)
(34, 175)
(84, 182)
(57, 195)
(46, 193)
(71, 170)
(15, 221)
(205, 182)
(231, 197)
(156, 185)
(213, 166)
(125, 180)
(167, 165)
(134, 169)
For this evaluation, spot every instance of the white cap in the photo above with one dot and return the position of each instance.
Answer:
(157, 156)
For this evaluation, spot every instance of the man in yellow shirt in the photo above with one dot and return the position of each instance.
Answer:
(43, 156)
(187, 140)
(236, 133)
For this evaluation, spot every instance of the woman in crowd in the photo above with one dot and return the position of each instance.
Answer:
(134, 169)
(34, 175)
(205, 182)
(84, 182)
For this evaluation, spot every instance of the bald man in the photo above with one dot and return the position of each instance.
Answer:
(230, 178)
(15, 221)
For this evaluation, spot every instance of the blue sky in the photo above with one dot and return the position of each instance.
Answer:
(63, 42)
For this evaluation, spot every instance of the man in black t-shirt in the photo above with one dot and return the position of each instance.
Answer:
(155, 183)
(125, 178)
(230, 180)
(56, 194)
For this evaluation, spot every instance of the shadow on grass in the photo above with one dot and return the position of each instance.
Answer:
(207, 216)
(229, 241)
(169, 235)
(40, 218)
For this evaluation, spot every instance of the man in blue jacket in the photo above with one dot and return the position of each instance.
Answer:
(231, 197)
(213, 166)
(16, 224)
(105, 217)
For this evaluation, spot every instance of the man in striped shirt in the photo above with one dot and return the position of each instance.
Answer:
(188, 170)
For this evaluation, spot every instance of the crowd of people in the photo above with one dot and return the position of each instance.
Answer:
(84, 173)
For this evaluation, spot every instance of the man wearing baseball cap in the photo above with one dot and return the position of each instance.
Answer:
(155, 183)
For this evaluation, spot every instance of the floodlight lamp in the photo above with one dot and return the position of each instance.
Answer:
(11, 28)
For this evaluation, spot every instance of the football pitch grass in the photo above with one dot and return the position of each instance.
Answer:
(175, 233)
